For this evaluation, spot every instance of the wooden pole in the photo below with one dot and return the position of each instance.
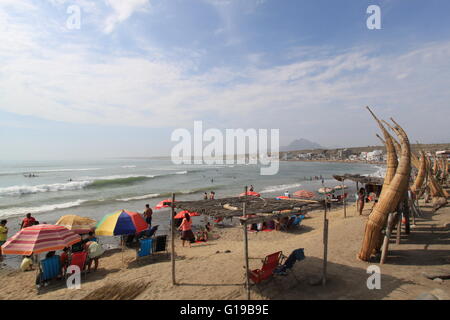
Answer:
(172, 229)
(387, 236)
(357, 202)
(399, 228)
(247, 284)
(343, 199)
(325, 244)
(406, 213)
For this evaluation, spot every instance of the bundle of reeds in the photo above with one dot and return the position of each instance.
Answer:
(389, 198)
(418, 182)
(118, 291)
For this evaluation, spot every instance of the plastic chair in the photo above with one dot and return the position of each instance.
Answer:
(298, 220)
(160, 243)
(79, 259)
(146, 248)
(50, 268)
(269, 264)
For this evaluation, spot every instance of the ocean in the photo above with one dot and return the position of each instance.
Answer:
(96, 188)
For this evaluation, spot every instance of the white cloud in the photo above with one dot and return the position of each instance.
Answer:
(122, 10)
(74, 83)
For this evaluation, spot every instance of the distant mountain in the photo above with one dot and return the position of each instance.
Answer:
(301, 144)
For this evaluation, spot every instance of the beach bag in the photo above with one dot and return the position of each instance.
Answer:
(95, 250)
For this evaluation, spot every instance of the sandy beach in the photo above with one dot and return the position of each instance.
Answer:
(205, 271)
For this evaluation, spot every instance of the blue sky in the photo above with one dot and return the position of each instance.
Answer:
(138, 69)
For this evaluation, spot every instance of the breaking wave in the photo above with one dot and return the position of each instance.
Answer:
(280, 187)
(45, 208)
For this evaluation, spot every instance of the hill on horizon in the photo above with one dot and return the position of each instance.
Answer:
(301, 144)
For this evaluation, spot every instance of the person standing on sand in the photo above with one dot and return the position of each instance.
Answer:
(3, 234)
(361, 198)
(186, 228)
(148, 215)
(28, 221)
(94, 250)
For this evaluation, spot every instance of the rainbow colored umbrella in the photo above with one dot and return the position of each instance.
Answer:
(120, 223)
(40, 238)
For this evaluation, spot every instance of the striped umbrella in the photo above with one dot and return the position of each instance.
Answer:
(304, 194)
(40, 238)
(121, 223)
(76, 223)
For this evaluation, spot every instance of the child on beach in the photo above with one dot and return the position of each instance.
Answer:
(27, 263)
(64, 258)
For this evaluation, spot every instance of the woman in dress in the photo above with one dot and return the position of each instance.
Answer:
(186, 228)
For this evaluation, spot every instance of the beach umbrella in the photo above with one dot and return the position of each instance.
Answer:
(250, 193)
(40, 238)
(76, 223)
(325, 190)
(340, 187)
(121, 223)
(181, 214)
(282, 197)
(304, 194)
(164, 204)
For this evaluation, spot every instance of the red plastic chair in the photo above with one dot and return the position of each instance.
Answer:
(269, 264)
(79, 259)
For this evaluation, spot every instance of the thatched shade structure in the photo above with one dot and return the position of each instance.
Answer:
(261, 207)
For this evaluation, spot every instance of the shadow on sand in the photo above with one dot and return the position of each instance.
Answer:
(343, 282)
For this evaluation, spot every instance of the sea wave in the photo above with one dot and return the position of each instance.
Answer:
(21, 190)
(280, 187)
(85, 182)
(10, 173)
(145, 196)
(128, 166)
(380, 172)
(44, 208)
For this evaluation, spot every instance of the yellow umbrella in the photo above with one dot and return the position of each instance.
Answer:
(76, 223)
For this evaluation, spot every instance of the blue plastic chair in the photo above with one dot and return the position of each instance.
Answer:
(146, 247)
(50, 268)
(298, 220)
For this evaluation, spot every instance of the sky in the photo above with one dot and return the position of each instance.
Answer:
(137, 70)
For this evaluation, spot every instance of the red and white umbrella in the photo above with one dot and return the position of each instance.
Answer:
(250, 193)
(40, 238)
(304, 194)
